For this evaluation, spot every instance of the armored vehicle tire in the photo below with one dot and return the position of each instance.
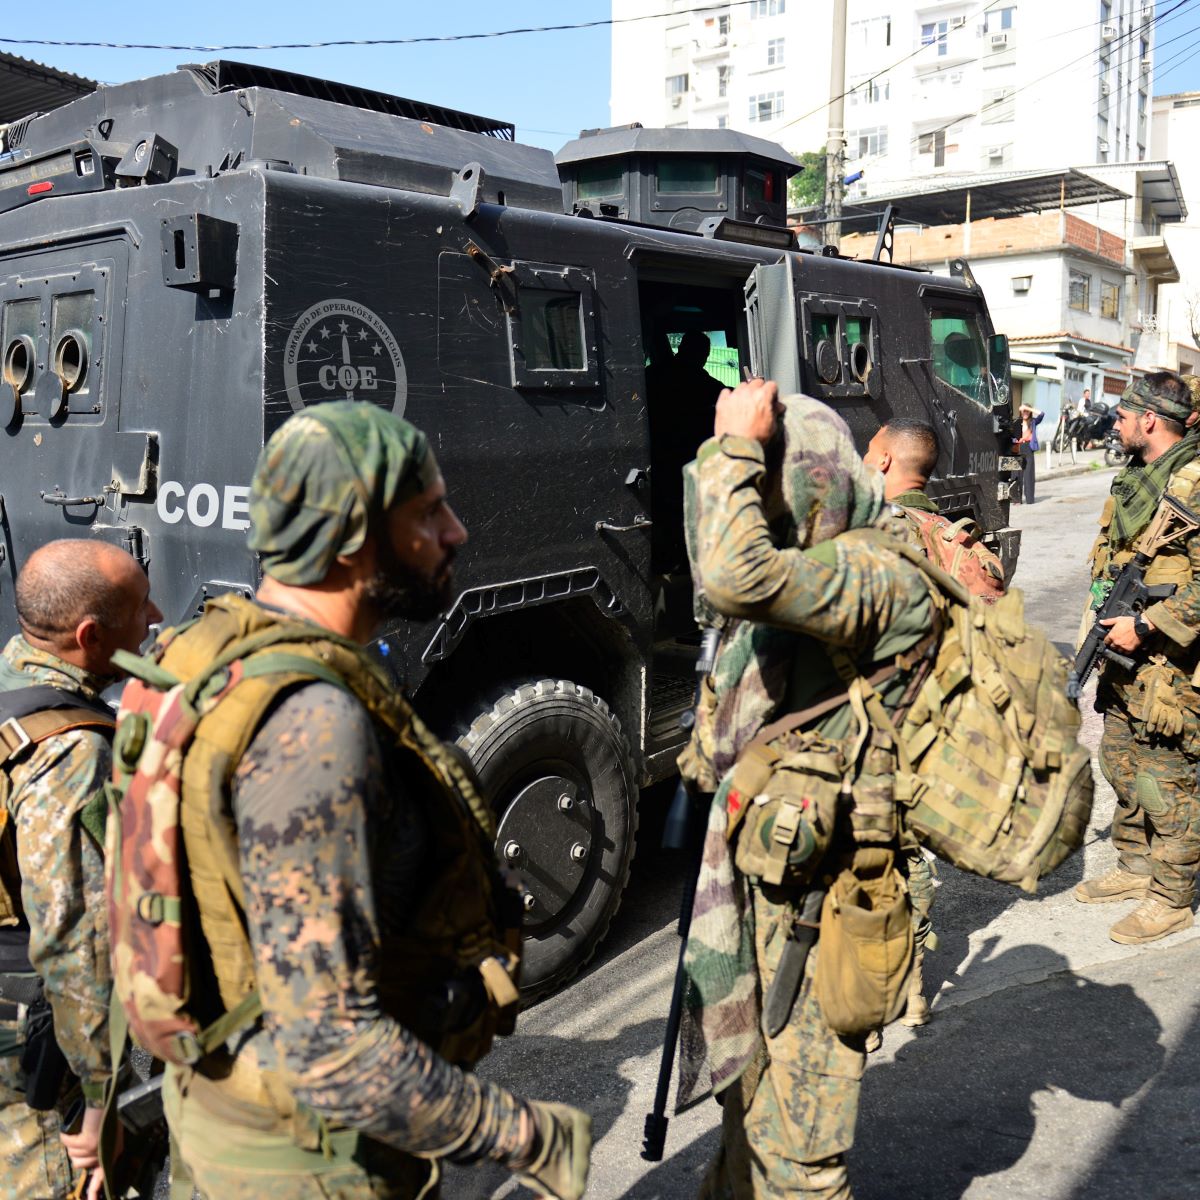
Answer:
(553, 761)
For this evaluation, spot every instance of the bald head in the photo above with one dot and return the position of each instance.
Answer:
(82, 599)
(906, 451)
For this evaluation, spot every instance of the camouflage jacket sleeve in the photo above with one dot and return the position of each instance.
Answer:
(838, 592)
(62, 891)
(1179, 615)
(312, 808)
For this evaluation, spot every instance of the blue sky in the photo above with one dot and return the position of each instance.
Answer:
(550, 84)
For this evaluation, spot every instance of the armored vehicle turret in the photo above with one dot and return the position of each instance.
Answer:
(187, 260)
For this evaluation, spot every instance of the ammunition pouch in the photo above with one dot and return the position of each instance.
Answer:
(782, 804)
(866, 945)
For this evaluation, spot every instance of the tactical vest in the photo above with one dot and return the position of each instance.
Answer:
(28, 717)
(459, 925)
(1170, 565)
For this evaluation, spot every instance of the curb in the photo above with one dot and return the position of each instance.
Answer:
(1077, 469)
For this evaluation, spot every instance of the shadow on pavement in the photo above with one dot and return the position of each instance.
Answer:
(681, 1173)
(959, 1101)
(1156, 1151)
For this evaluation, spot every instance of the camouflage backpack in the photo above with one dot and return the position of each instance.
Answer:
(954, 548)
(992, 776)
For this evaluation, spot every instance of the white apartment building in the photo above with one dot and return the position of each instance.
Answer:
(1171, 323)
(947, 86)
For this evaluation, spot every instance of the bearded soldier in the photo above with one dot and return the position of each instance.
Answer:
(1151, 745)
(356, 944)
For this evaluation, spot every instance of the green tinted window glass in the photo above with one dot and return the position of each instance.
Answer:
(959, 355)
(688, 175)
(762, 187)
(824, 327)
(604, 178)
(857, 329)
(552, 330)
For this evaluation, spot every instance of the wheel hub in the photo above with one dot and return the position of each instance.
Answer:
(545, 836)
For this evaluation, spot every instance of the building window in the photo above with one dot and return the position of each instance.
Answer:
(871, 91)
(723, 25)
(935, 33)
(1110, 300)
(998, 19)
(722, 82)
(767, 8)
(775, 52)
(722, 122)
(873, 33)
(1079, 291)
(766, 106)
(677, 85)
(864, 142)
(933, 143)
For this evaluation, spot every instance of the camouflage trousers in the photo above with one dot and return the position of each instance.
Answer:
(1156, 826)
(233, 1150)
(789, 1120)
(33, 1162)
(921, 892)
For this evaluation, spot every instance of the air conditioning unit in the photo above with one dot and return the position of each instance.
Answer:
(995, 153)
(1147, 12)
(999, 41)
(1021, 283)
(1105, 88)
(676, 101)
(1147, 64)
(957, 22)
(1108, 32)
(1103, 146)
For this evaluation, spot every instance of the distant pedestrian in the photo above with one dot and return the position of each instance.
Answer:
(1027, 447)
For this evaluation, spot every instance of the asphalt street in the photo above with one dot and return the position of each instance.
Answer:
(1058, 1066)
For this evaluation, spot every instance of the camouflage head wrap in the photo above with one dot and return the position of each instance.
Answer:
(1142, 396)
(1193, 386)
(816, 487)
(322, 478)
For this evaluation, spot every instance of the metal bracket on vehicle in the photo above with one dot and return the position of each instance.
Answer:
(467, 188)
(518, 594)
(59, 498)
(887, 234)
(639, 522)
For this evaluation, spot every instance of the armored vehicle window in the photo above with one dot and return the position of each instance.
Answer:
(552, 331)
(552, 328)
(841, 348)
(761, 187)
(688, 176)
(959, 357)
(596, 179)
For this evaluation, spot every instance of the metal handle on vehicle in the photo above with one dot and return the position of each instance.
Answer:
(639, 522)
(63, 501)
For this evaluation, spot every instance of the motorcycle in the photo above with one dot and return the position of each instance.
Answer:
(1114, 452)
(1092, 426)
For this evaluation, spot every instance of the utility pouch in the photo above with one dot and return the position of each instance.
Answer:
(786, 810)
(42, 1062)
(866, 945)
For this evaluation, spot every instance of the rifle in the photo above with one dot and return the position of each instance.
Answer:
(680, 832)
(1130, 596)
(145, 1141)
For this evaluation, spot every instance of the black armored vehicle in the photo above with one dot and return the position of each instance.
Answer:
(187, 260)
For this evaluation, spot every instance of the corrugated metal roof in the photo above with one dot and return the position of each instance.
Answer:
(28, 87)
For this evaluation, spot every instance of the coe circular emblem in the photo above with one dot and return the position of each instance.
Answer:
(341, 350)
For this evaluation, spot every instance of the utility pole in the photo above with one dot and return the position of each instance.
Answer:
(835, 144)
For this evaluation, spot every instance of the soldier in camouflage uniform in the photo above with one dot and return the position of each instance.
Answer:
(329, 1093)
(905, 452)
(1150, 751)
(790, 1101)
(77, 602)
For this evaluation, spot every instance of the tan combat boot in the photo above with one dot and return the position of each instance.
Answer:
(1118, 884)
(916, 1011)
(1151, 920)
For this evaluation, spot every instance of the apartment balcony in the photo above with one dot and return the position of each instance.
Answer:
(710, 49)
(1152, 256)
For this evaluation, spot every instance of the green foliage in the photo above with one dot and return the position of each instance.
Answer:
(808, 188)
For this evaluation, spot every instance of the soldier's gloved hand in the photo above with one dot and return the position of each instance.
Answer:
(560, 1167)
(1162, 710)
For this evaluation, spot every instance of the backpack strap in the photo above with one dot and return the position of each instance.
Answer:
(31, 715)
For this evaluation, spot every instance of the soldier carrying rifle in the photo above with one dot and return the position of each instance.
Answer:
(1148, 684)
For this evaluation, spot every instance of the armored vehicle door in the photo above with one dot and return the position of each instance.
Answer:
(771, 317)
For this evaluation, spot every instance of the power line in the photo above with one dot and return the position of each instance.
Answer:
(408, 41)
